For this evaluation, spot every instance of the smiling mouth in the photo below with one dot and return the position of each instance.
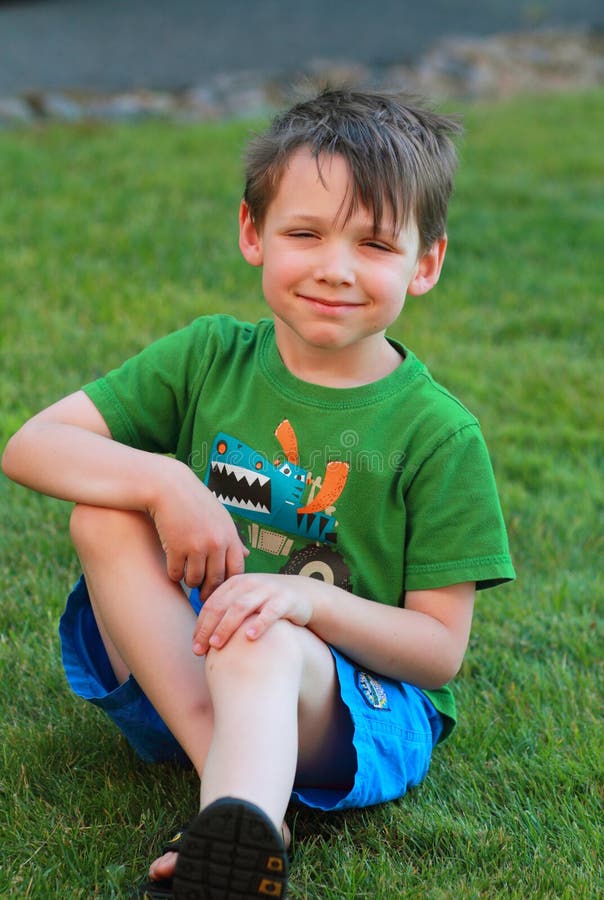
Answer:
(327, 303)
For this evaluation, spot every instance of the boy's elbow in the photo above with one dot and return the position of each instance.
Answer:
(443, 668)
(442, 675)
(8, 457)
(14, 454)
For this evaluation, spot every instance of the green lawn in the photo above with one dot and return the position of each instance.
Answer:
(112, 236)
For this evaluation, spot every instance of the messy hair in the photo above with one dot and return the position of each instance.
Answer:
(401, 156)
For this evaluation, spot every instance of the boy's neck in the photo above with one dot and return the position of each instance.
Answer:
(361, 363)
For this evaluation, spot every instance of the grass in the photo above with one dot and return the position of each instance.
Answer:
(111, 236)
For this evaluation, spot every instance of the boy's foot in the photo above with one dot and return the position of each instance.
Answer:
(230, 851)
(161, 871)
(158, 885)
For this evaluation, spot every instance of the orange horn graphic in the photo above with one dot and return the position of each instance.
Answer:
(286, 436)
(336, 474)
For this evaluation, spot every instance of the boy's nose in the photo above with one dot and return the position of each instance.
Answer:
(335, 266)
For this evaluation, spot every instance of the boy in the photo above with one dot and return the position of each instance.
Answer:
(195, 627)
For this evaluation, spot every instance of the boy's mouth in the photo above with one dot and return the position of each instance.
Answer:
(328, 302)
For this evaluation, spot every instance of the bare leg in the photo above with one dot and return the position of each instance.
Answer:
(120, 669)
(281, 693)
(145, 620)
(278, 713)
(251, 714)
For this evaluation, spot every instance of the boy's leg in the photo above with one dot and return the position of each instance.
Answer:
(277, 712)
(145, 620)
(120, 669)
(263, 709)
(261, 689)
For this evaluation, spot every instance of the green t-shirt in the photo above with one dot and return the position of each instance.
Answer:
(379, 489)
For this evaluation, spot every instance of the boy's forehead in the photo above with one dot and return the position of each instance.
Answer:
(326, 174)
(321, 167)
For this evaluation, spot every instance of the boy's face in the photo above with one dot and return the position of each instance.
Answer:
(333, 286)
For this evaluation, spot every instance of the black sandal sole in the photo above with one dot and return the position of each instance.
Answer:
(231, 851)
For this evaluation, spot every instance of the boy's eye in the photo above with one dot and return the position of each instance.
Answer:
(377, 245)
(301, 234)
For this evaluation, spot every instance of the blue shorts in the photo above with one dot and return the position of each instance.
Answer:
(395, 726)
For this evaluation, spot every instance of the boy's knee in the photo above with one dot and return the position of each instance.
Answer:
(83, 524)
(279, 646)
(91, 525)
(284, 640)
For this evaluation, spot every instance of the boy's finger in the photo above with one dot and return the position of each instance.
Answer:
(230, 622)
(194, 570)
(270, 613)
(175, 565)
(219, 619)
(209, 634)
(201, 638)
(207, 620)
(215, 574)
(235, 559)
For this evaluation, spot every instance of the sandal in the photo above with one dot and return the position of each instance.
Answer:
(161, 889)
(230, 851)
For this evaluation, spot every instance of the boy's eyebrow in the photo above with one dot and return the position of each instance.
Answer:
(302, 218)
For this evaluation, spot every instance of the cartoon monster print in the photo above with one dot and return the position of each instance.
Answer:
(271, 494)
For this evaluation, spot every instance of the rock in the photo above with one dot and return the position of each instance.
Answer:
(503, 65)
(131, 106)
(14, 111)
(60, 106)
(200, 102)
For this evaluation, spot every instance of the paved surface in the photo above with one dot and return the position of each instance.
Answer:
(113, 45)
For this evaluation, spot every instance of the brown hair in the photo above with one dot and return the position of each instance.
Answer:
(401, 156)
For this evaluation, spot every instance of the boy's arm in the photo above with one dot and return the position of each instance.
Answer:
(423, 643)
(67, 451)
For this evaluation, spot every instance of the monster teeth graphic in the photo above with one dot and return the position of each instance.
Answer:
(239, 473)
(240, 488)
(243, 504)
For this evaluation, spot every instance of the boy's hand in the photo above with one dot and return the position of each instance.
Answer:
(260, 598)
(197, 534)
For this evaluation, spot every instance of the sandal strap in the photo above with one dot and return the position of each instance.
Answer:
(174, 843)
(155, 890)
(162, 888)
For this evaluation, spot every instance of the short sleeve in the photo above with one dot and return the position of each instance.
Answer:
(145, 400)
(455, 527)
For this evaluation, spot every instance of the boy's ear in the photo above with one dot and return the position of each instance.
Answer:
(428, 268)
(250, 242)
